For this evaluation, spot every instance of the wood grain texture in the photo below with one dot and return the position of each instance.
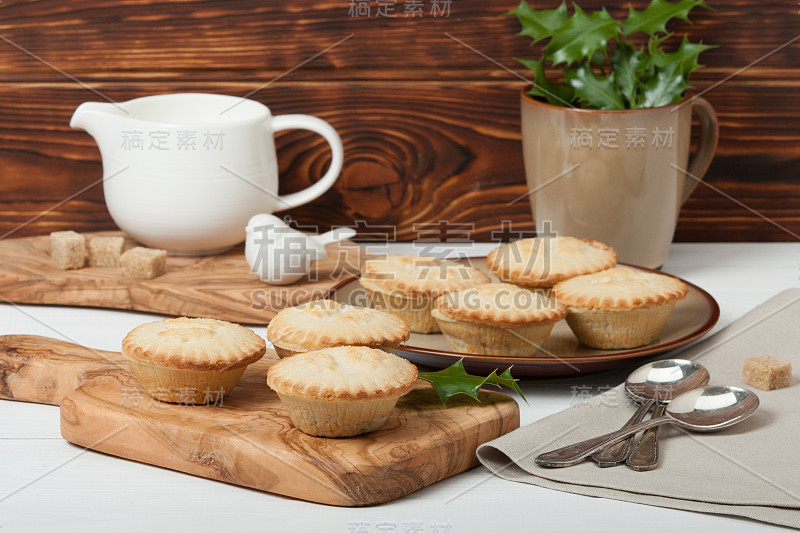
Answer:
(41, 370)
(248, 439)
(246, 35)
(430, 127)
(219, 286)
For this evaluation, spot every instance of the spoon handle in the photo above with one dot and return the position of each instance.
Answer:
(335, 235)
(644, 455)
(618, 453)
(575, 453)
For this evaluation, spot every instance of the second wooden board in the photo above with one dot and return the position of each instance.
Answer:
(217, 286)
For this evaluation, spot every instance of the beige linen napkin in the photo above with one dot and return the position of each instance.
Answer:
(750, 470)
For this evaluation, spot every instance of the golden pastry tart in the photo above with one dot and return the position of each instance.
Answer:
(341, 391)
(190, 360)
(620, 307)
(326, 323)
(497, 319)
(407, 285)
(544, 261)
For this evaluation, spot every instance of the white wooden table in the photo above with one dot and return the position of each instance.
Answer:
(48, 484)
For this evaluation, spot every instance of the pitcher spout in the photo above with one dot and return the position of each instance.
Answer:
(93, 117)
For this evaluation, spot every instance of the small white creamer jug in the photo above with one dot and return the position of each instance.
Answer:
(185, 172)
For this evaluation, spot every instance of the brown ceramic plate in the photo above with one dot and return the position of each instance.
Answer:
(562, 354)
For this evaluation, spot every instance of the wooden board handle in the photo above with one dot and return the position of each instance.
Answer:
(44, 370)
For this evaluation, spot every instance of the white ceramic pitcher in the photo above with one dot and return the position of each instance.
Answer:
(185, 172)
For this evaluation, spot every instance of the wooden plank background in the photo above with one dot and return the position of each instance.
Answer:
(430, 127)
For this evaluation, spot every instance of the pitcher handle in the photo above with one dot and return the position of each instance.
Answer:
(307, 122)
(709, 136)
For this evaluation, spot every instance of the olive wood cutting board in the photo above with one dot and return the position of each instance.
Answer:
(216, 286)
(247, 438)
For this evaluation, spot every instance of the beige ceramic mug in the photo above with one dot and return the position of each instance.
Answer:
(619, 177)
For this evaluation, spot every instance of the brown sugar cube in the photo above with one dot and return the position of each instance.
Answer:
(67, 249)
(767, 372)
(145, 263)
(105, 251)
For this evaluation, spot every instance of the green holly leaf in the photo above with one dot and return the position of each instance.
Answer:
(455, 380)
(592, 91)
(655, 42)
(554, 93)
(687, 56)
(581, 36)
(666, 87)
(627, 64)
(656, 15)
(599, 58)
(505, 378)
(623, 76)
(539, 24)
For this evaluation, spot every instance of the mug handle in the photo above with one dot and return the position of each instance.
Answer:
(709, 136)
(307, 122)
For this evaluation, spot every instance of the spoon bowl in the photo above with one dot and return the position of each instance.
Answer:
(664, 380)
(712, 408)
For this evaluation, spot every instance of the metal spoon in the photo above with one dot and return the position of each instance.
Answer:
(644, 454)
(706, 409)
(659, 381)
